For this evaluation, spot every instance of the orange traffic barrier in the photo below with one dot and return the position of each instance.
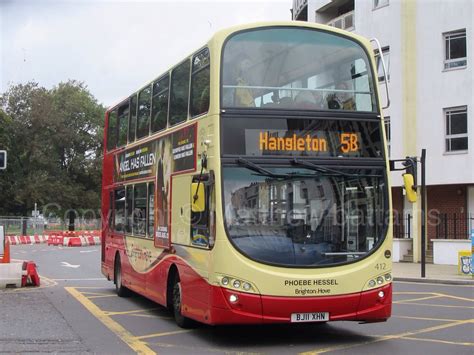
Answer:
(6, 253)
(30, 276)
(74, 242)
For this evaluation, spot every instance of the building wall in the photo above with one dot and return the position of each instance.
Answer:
(418, 121)
(438, 89)
(447, 202)
(435, 88)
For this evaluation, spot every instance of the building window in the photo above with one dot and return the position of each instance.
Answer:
(388, 133)
(455, 55)
(380, 3)
(386, 59)
(456, 129)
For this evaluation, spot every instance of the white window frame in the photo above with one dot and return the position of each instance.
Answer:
(378, 62)
(448, 62)
(448, 112)
(388, 133)
(377, 4)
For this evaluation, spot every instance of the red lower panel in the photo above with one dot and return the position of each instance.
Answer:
(364, 306)
(210, 304)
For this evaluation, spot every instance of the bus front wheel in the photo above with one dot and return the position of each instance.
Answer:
(121, 290)
(181, 320)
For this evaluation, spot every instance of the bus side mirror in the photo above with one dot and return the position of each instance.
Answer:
(410, 188)
(198, 201)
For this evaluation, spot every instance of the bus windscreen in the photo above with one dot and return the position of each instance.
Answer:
(303, 217)
(296, 68)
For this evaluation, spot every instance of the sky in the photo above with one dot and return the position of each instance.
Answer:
(113, 46)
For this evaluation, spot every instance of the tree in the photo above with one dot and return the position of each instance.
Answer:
(54, 143)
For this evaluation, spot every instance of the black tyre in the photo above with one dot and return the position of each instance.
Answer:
(121, 290)
(181, 320)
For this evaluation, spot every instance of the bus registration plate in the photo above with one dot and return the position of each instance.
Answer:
(309, 317)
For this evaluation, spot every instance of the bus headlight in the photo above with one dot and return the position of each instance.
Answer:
(236, 284)
(380, 280)
(372, 283)
(388, 277)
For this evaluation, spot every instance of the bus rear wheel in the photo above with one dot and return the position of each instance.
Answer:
(181, 320)
(121, 290)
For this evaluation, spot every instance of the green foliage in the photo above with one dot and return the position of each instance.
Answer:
(54, 143)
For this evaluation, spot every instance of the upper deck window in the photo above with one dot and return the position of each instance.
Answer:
(112, 130)
(144, 109)
(294, 68)
(200, 83)
(178, 110)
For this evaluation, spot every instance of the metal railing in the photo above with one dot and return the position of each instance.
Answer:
(32, 225)
(22, 225)
(402, 226)
(453, 226)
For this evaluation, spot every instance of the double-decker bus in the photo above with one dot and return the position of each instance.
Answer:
(249, 183)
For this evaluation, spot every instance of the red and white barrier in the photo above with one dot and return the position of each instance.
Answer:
(27, 239)
(58, 238)
(19, 274)
(80, 241)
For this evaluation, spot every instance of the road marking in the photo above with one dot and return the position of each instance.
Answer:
(424, 318)
(103, 296)
(87, 294)
(111, 313)
(88, 251)
(164, 334)
(148, 316)
(417, 299)
(433, 284)
(202, 350)
(388, 337)
(66, 264)
(89, 287)
(128, 338)
(457, 297)
(435, 293)
(435, 305)
(440, 341)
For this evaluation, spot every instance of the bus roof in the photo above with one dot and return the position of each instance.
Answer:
(218, 39)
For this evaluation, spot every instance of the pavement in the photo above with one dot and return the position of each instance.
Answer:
(446, 274)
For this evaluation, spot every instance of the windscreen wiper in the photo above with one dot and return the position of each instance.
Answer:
(262, 171)
(327, 171)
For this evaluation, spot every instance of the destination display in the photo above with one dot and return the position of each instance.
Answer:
(324, 138)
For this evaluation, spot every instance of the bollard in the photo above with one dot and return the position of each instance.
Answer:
(24, 226)
(6, 252)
